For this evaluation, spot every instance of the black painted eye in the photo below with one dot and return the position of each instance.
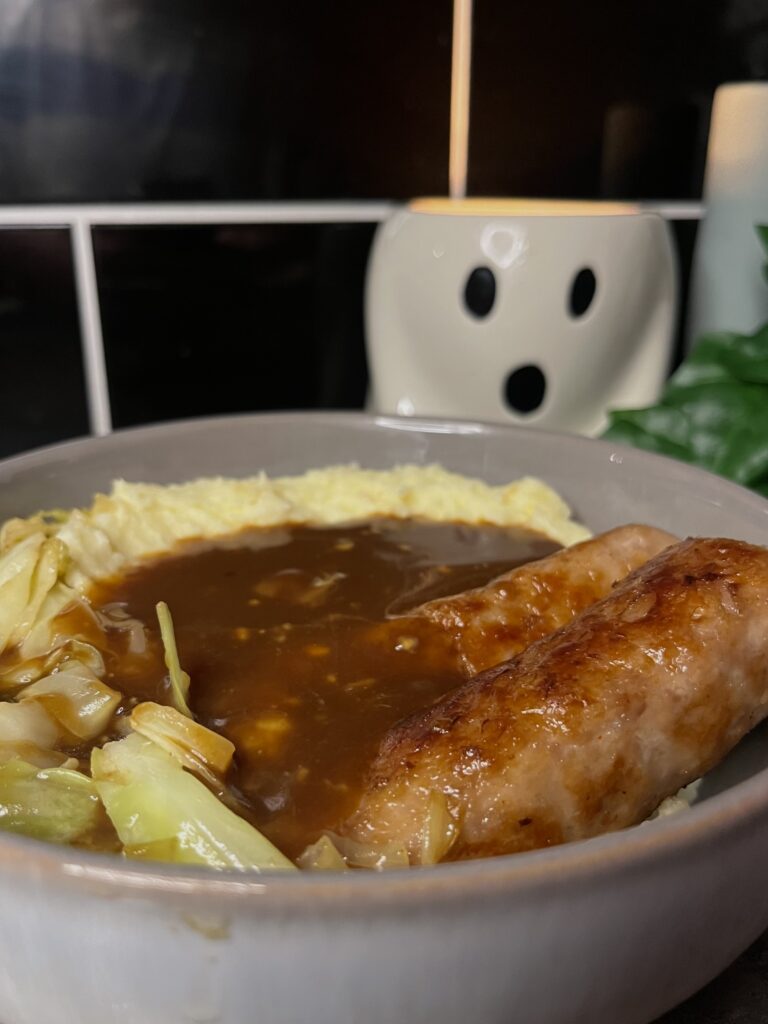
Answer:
(524, 388)
(582, 292)
(480, 291)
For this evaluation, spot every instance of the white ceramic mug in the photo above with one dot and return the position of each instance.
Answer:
(536, 312)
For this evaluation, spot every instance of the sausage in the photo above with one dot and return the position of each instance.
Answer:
(495, 622)
(590, 728)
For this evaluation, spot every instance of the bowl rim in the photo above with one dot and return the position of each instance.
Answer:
(719, 818)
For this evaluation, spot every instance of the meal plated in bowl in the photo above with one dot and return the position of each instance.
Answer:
(490, 930)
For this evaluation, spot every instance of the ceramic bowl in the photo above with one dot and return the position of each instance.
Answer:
(614, 929)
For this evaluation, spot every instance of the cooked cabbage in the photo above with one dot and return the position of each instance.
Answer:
(360, 855)
(439, 831)
(28, 572)
(161, 812)
(56, 804)
(201, 750)
(73, 695)
(322, 856)
(27, 723)
(24, 750)
(177, 677)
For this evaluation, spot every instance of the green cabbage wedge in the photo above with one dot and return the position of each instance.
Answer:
(161, 812)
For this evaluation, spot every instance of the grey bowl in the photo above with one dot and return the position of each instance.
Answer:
(613, 930)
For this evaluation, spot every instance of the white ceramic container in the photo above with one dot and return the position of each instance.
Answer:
(542, 313)
(613, 929)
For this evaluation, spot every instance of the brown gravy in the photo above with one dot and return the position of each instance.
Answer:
(300, 649)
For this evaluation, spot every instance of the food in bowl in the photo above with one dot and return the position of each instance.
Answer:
(592, 727)
(335, 623)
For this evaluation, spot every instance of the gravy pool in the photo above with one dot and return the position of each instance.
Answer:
(300, 649)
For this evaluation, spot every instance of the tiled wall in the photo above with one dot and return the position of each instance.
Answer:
(194, 99)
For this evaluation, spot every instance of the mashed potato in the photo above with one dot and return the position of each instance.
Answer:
(144, 518)
(137, 520)
(48, 560)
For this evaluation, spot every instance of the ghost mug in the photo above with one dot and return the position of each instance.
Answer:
(543, 312)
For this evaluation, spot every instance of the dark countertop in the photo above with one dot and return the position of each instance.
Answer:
(738, 996)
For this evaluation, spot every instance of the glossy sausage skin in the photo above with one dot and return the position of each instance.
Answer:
(494, 623)
(590, 728)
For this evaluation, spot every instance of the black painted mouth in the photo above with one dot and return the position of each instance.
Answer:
(524, 388)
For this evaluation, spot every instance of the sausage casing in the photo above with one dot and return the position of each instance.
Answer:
(493, 623)
(590, 728)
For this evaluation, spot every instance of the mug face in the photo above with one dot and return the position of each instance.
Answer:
(546, 320)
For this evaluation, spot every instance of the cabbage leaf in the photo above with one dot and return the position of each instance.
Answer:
(322, 855)
(56, 804)
(76, 698)
(29, 570)
(179, 679)
(161, 812)
(439, 831)
(201, 750)
(362, 855)
(27, 723)
(40, 757)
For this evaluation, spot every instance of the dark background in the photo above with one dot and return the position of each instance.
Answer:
(125, 100)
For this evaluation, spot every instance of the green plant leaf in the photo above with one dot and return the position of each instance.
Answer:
(714, 410)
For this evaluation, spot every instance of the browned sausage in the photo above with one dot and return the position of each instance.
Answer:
(494, 623)
(590, 728)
